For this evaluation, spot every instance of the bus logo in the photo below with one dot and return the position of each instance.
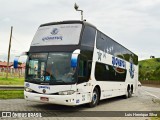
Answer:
(54, 31)
(131, 70)
(44, 91)
(27, 85)
(116, 62)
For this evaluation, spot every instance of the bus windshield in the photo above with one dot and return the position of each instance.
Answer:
(51, 68)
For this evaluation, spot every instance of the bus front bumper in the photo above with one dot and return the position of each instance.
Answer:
(69, 100)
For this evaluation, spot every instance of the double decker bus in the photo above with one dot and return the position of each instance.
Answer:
(73, 63)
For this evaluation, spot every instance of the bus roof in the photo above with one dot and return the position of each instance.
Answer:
(81, 22)
(67, 22)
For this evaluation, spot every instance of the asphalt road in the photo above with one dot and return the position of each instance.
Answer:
(146, 99)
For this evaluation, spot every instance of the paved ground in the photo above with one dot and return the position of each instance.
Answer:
(146, 99)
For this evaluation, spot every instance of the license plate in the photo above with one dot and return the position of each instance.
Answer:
(44, 98)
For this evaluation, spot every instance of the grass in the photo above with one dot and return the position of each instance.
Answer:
(155, 118)
(11, 94)
(11, 81)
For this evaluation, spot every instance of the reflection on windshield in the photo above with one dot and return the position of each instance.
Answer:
(50, 68)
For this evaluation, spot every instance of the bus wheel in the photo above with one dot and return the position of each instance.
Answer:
(95, 98)
(128, 94)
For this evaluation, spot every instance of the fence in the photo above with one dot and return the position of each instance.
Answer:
(154, 82)
(12, 72)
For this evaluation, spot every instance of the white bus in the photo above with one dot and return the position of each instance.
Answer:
(73, 63)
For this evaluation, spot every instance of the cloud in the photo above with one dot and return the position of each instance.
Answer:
(6, 19)
(135, 24)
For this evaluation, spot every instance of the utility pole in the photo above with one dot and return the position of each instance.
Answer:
(9, 48)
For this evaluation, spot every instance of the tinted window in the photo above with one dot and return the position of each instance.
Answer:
(104, 72)
(109, 46)
(52, 68)
(82, 68)
(88, 37)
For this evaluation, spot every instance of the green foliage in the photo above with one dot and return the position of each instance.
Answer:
(11, 81)
(11, 94)
(149, 69)
(157, 71)
(155, 118)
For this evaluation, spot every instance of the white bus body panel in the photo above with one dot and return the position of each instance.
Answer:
(113, 88)
(82, 94)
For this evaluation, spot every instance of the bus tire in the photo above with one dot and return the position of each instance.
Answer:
(128, 94)
(95, 98)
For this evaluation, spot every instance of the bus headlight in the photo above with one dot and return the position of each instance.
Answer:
(28, 89)
(68, 92)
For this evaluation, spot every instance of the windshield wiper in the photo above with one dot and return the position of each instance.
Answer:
(36, 78)
(60, 81)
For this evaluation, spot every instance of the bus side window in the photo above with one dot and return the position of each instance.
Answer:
(82, 71)
(82, 68)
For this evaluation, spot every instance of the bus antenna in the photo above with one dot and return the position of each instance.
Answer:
(76, 8)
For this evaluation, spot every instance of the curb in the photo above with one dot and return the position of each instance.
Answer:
(11, 87)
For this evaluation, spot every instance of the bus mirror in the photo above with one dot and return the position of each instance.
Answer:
(74, 61)
(24, 53)
(74, 58)
(15, 63)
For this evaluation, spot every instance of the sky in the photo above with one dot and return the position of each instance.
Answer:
(133, 23)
